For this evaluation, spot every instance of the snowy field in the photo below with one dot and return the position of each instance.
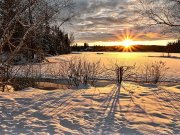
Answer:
(107, 109)
(126, 58)
(130, 110)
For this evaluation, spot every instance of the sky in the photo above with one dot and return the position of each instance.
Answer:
(110, 22)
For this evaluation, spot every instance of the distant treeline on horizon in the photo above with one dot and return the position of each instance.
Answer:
(133, 48)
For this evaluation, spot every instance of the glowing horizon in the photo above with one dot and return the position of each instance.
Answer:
(129, 38)
(120, 43)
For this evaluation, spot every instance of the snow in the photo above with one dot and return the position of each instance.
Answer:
(102, 110)
(129, 109)
(56, 59)
(128, 58)
(7, 88)
(56, 67)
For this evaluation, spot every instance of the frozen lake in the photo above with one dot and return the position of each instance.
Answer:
(130, 58)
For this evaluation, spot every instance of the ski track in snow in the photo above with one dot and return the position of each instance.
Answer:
(129, 109)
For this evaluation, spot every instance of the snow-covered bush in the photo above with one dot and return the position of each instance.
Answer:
(78, 71)
(27, 76)
(20, 76)
(154, 72)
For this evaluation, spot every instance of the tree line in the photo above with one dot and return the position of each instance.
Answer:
(172, 47)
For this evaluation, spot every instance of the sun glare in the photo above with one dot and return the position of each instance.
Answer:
(128, 38)
(127, 42)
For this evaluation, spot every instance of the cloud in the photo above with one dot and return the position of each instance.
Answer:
(106, 20)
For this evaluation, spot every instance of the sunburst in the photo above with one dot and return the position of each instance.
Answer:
(127, 39)
(127, 43)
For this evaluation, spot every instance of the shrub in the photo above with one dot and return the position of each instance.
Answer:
(154, 72)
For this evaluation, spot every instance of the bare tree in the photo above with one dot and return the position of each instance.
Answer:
(122, 72)
(20, 20)
(31, 14)
(160, 12)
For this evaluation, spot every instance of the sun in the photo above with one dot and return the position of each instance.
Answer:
(127, 39)
(127, 43)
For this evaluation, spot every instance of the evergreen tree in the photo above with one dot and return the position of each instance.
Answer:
(173, 47)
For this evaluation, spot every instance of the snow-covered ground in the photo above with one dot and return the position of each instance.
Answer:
(140, 59)
(129, 109)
